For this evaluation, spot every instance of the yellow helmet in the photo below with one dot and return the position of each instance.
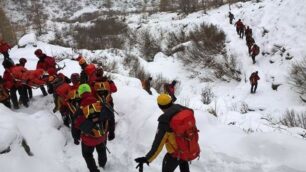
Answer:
(164, 100)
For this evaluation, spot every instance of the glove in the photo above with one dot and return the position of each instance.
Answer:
(76, 142)
(142, 160)
(54, 109)
(111, 136)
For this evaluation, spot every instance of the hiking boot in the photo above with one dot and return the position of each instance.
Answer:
(102, 165)
(16, 106)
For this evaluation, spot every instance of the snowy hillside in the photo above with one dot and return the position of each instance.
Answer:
(252, 141)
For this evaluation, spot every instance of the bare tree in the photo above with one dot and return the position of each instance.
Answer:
(38, 17)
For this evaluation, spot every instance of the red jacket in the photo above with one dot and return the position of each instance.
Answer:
(239, 24)
(46, 63)
(169, 88)
(87, 99)
(4, 47)
(8, 79)
(254, 78)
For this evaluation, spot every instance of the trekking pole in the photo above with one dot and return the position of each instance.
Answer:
(103, 100)
(107, 148)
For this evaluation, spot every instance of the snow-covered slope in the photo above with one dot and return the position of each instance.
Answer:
(250, 144)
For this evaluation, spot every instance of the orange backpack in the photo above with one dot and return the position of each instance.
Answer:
(186, 135)
(96, 129)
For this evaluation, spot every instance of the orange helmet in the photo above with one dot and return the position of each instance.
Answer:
(82, 61)
(51, 79)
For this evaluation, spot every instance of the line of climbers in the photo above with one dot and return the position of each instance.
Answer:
(253, 48)
(242, 30)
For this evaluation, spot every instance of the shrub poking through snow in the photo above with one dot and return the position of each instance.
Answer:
(207, 95)
(158, 83)
(102, 34)
(294, 119)
(298, 76)
(148, 46)
(244, 108)
(204, 47)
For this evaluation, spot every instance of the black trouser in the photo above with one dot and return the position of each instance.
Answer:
(173, 97)
(253, 58)
(7, 103)
(241, 33)
(148, 90)
(14, 97)
(22, 90)
(29, 92)
(65, 112)
(170, 163)
(253, 88)
(87, 152)
(6, 55)
(43, 90)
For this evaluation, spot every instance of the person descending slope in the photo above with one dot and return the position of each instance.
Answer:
(240, 28)
(74, 104)
(87, 74)
(248, 32)
(254, 81)
(45, 62)
(177, 130)
(4, 48)
(249, 42)
(103, 88)
(59, 87)
(22, 62)
(170, 89)
(96, 122)
(231, 17)
(146, 85)
(254, 52)
(13, 78)
(4, 94)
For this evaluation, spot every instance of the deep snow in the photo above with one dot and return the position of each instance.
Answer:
(229, 148)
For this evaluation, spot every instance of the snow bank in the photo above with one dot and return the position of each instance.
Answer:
(28, 39)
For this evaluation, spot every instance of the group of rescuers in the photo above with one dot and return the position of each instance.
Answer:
(85, 103)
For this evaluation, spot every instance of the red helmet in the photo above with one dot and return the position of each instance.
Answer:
(22, 60)
(99, 71)
(75, 78)
(38, 52)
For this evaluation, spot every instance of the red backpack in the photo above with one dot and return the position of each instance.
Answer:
(256, 49)
(186, 135)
